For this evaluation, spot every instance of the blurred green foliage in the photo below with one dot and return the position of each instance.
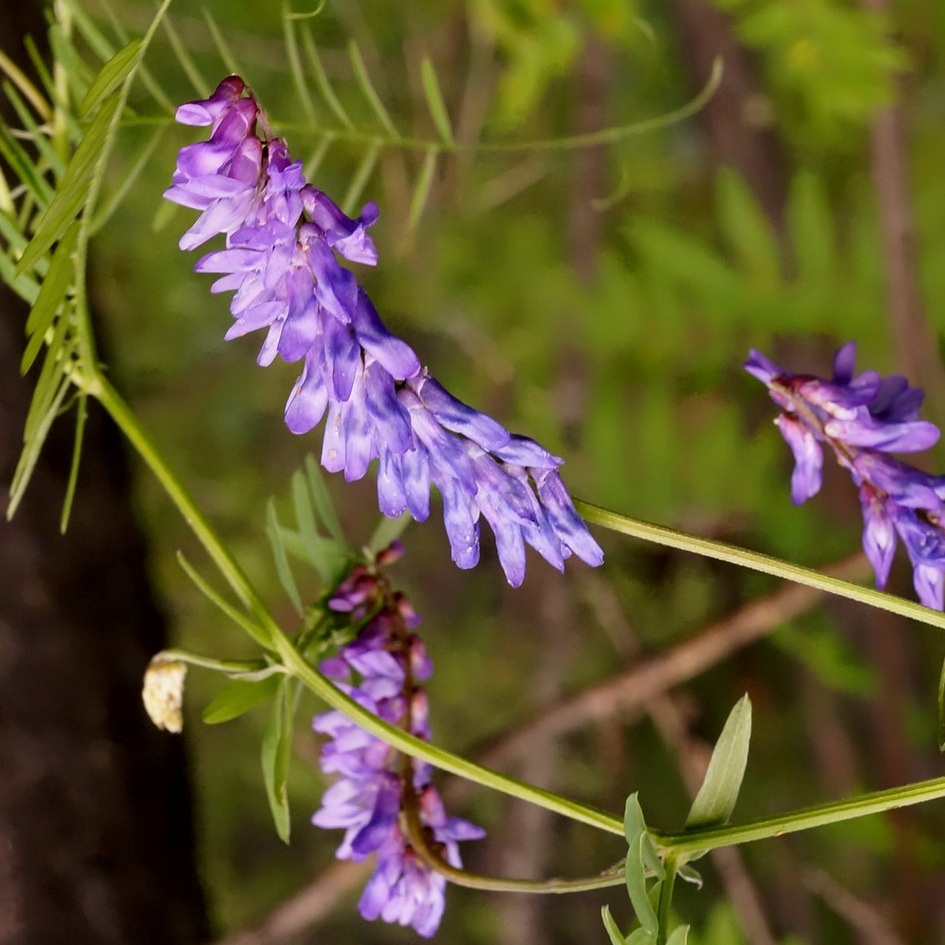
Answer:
(629, 367)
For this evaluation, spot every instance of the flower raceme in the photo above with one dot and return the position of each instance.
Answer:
(280, 261)
(382, 670)
(863, 418)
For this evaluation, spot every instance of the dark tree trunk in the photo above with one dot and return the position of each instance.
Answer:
(96, 841)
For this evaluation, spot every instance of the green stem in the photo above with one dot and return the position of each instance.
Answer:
(98, 386)
(757, 562)
(664, 909)
(695, 842)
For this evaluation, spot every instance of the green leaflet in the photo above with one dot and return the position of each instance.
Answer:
(716, 798)
(421, 190)
(281, 558)
(239, 697)
(610, 924)
(110, 76)
(435, 103)
(73, 189)
(52, 294)
(276, 753)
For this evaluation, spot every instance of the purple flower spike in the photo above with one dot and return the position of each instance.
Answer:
(281, 262)
(862, 417)
(381, 670)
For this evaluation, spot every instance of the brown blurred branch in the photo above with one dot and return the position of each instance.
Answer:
(862, 916)
(641, 682)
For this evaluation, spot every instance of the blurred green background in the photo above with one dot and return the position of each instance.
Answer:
(602, 300)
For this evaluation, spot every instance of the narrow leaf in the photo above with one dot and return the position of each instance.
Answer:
(746, 229)
(636, 886)
(38, 137)
(273, 530)
(322, 500)
(73, 189)
(19, 79)
(26, 287)
(716, 798)
(321, 78)
(110, 76)
(370, 93)
(275, 753)
(239, 697)
(52, 294)
(811, 225)
(40, 422)
(295, 64)
(421, 190)
(255, 631)
(360, 179)
(324, 554)
(7, 206)
(641, 937)
(23, 167)
(82, 412)
(101, 46)
(123, 187)
(187, 63)
(78, 74)
(150, 83)
(315, 161)
(435, 103)
(613, 930)
(223, 48)
(386, 530)
(633, 822)
(680, 936)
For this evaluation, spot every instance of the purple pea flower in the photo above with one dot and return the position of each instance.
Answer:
(861, 418)
(381, 670)
(281, 262)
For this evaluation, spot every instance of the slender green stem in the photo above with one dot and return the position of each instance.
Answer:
(756, 561)
(691, 843)
(230, 667)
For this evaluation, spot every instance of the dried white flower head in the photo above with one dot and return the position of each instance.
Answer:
(163, 693)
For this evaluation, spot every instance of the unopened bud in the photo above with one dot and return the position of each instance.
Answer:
(163, 693)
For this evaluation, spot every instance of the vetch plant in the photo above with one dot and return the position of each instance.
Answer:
(285, 246)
